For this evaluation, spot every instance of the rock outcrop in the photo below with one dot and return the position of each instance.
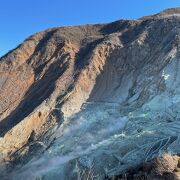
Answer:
(159, 168)
(104, 94)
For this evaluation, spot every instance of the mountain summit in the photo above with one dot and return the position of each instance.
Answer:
(100, 98)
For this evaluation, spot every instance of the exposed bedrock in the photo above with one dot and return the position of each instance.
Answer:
(99, 98)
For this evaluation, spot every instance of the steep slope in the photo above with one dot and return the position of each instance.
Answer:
(105, 94)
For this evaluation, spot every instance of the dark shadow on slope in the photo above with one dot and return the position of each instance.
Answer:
(37, 93)
(117, 26)
(81, 60)
(42, 44)
(82, 56)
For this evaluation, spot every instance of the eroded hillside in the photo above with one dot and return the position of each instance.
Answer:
(105, 94)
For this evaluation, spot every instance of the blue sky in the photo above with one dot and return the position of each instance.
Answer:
(21, 18)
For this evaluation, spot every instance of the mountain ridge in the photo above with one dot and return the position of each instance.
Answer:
(175, 10)
(105, 80)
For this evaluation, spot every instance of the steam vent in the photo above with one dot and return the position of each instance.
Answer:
(93, 101)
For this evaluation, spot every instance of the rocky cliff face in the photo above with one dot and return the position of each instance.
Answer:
(105, 95)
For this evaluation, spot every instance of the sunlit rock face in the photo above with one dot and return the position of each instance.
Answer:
(92, 99)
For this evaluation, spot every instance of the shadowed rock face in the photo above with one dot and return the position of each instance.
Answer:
(105, 94)
(160, 168)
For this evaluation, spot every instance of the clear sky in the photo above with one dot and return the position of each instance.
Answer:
(21, 18)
